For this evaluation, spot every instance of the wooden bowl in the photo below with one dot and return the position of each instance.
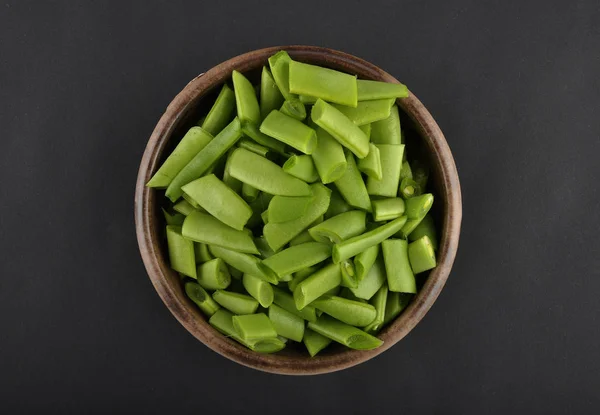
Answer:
(186, 109)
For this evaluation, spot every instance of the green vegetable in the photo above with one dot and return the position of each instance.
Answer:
(421, 255)
(201, 298)
(202, 253)
(387, 131)
(235, 302)
(259, 289)
(418, 206)
(248, 110)
(297, 257)
(252, 131)
(372, 282)
(349, 277)
(371, 165)
(214, 275)
(378, 301)
(390, 154)
(337, 205)
(328, 157)
(244, 262)
(387, 209)
(340, 227)
(221, 113)
(316, 285)
(287, 324)
(400, 276)
(200, 227)
(294, 108)
(184, 207)
(286, 208)
(347, 311)
(222, 320)
(175, 219)
(254, 147)
(352, 187)
(289, 131)
(270, 97)
(285, 300)
(324, 83)
(364, 261)
(301, 167)
(181, 252)
(370, 90)
(425, 228)
(314, 342)
(366, 128)
(253, 326)
(280, 67)
(367, 112)
(409, 188)
(249, 193)
(344, 334)
(300, 276)
(396, 302)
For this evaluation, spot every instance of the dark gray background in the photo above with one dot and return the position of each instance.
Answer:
(514, 86)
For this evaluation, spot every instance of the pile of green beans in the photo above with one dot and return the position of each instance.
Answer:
(292, 213)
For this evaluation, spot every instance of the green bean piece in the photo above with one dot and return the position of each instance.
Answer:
(405, 171)
(387, 131)
(367, 112)
(293, 108)
(421, 255)
(418, 206)
(301, 167)
(286, 278)
(357, 244)
(425, 228)
(270, 96)
(328, 157)
(219, 200)
(352, 187)
(400, 276)
(265, 217)
(236, 274)
(200, 227)
(192, 142)
(371, 90)
(201, 298)
(316, 285)
(366, 128)
(315, 342)
(222, 320)
(372, 282)
(297, 258)
(279, 234)
(192, 202)
(254, 147)
(409, 188)
(341, 128)
(202, 161)
(248, 110)
(301, 275)
(244, 262)
(396, 302)
(235, 302)
(184, 207)
(307, 99)
(233, 183)
(387, 209)
(349, 277)
(371, 165)
(420, 174)
(201, 252)
(263, 247)
(324, 83)
(265, 175)
(337, 205)
(253, 326)
(222, 111)
(391, 156)
(280, 67)
(408, 228)
(347, 311)
(287, 324)
(289, 131)
(302, 238)
(254, 133)
(364, 261)
(181, 252)
(259, 289)
(340, 227)
(346, 293)
(286, 208)
(214, 275)
(286, 301)
(175, 219)
(345, 334)
(378, 301)
(249, 194)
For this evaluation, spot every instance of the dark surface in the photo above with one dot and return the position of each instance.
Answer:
(515, 89)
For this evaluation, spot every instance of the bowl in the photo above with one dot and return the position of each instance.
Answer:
(185, 110)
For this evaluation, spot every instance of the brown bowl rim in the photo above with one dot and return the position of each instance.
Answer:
(189, 317)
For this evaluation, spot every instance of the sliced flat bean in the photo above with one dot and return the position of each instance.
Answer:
(315, 342)
(418, 206)
(341, 128)
(222, 111)
(387, 209)
(244, 262)
(175, 219)
(301, 275)
(263, 247)
(259, 289)
(280, 67)
(301, 167)
(201, 298)
(367, 112)
(233, 183)
(252, 131)
(192, 202)
(372, 282)
(370, 90)
(237, 275)
(265, 175)
(302, 238)
(214, 275)
(400, 276)
(346, 293)
(378, 301)
(396, 302)
(355, 313)
(190, 145)
(391, 156)
(286, 208)
(337, 205)
(307, 99)
(181, 252)
(324, 83)
(425, 228)
(287, 324)
(249, 193)
(285, 300)
(408, 228)
(279, 234)
(349, 277)
(202, 253)
(289, 131)
(219, 200)
(200, 227)
(366, 129)
(328, 157)
(202, 161)
(253, 326)
(235, 302)
(297, 258)
(352, 187)
(340, 227)
(270, 96)
(294, 108)
(371, 165)
(421, 255)
(254, 147)
(248, 110)
(364, 261)
(316, 285)
(345, 334)
(387, 131)
(409, 188)
(358, 244)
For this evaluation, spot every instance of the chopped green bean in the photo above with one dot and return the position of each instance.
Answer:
(409, 188)
(214, 275)
(301, 238)
(387, 209)
(425, 228)
(190, 145)
(287, 324)
(259, 289)
(290, 131)
(280, 67)
(417, 207)
(293, 108)
(285, 300)
(371, 90)
(328, 157)
(181, 252)
(345, 334)
(315, 342)
(352, 187)
(301, 167)
(337, 205)
(396, 302)
(378, 301)
(408, 228)
(372, 282)
(202, 253)
(184, 207)
(387, 131)
(270, 96)
(192, 202)
(366, 129)
(371, 165)
(263, 247)
(307, 99)
(367, 112)
(421, 255)
(253, 326)
(316, 285)
(286, 208)
(390, 155)
(174, 219)
(400, 276)
(200, 227)
(297, 257)
(244, 262)
(222, 111)
(349, 278)
(300, 276)
(249, 194)
(248, 110)
(252, 131)
(364, 261)
(324, 83)
(254, 147)
(236, 274)
(233, 183)
(340, 227)
(235, 302)
(405, 171)
(201, 298)
(355, 313)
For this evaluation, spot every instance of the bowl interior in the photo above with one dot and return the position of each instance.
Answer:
(424, 142)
